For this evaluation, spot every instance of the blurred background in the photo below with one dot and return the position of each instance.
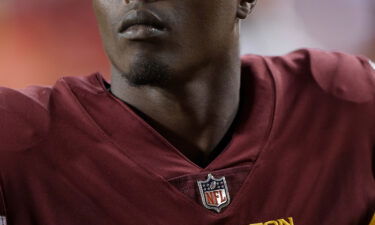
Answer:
(42, 40)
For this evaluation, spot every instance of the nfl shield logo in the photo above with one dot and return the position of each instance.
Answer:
(3, 220)
(214, 193)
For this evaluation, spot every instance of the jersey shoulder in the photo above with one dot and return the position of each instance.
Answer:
(24, 116)
(348, 77)
(27, 115)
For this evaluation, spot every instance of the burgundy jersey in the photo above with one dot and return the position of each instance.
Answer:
(301, 152)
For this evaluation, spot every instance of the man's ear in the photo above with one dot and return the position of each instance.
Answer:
(245, 7)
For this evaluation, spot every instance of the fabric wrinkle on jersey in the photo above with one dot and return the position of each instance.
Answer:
(303, 151)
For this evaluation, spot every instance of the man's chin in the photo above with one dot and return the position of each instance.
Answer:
(147, 72)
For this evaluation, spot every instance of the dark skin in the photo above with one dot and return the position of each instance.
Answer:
(195, 107)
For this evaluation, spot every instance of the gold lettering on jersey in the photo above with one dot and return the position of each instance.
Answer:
(373, 220)
(272, 222)
(289, 221)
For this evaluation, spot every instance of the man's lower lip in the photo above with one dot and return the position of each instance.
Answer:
(141, 32)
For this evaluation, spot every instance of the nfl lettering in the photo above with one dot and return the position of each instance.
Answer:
(214, 193)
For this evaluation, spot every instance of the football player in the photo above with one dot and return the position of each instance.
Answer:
(189, 133)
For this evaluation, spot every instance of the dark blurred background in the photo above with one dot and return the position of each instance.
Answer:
(42, 40)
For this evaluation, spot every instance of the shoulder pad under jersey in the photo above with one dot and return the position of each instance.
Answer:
(24, 117)
(348, 77)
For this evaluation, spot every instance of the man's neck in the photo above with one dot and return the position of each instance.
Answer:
(194, 116)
